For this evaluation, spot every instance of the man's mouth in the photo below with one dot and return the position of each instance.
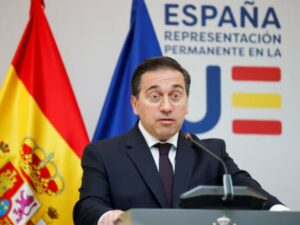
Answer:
(166, 121)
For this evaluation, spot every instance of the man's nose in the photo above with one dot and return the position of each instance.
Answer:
(166, 105)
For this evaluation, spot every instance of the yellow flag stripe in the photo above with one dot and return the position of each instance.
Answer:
(256, 100)
(21, 122)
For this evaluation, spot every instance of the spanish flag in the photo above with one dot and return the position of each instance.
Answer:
(42, 134)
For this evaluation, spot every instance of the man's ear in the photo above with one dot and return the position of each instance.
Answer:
(187, 107)
(134, 103)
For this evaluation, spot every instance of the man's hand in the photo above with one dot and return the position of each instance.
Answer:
(111, 217)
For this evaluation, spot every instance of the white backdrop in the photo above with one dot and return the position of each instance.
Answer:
(90, 35)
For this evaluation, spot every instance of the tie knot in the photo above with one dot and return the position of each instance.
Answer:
(163, 148)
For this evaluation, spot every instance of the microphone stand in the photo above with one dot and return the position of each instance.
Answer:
(227, 180)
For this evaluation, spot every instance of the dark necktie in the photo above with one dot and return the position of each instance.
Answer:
(166, 170)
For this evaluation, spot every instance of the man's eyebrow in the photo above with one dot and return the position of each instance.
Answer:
(178, 86)
(152, 87)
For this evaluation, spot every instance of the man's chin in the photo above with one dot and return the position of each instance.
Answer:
(165, 135)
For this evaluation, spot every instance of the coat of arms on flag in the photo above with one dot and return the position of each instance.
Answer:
(18, 202)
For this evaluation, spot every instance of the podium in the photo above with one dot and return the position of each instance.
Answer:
(208, 217)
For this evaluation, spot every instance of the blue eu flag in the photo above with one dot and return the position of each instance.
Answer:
(141, 42)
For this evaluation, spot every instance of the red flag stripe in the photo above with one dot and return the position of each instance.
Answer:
(38, 54)
(271, 127)
(243, 73)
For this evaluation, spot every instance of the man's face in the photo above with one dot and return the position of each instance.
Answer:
(162, 102)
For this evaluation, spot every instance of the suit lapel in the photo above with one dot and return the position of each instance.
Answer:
(140, 155)
(183, 168)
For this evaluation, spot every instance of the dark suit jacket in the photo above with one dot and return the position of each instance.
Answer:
(120, 173)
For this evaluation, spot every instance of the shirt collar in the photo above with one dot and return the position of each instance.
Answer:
(152, 140)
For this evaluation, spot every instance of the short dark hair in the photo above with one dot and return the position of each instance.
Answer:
(153, 64)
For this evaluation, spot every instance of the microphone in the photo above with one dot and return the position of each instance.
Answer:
(227, 180)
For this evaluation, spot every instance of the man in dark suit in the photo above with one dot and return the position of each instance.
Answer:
(130, 171)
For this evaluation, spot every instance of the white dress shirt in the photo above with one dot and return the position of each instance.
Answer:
(150, 140)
